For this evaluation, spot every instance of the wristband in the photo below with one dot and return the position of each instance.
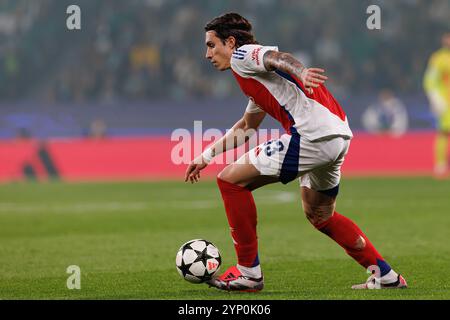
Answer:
(208, 155)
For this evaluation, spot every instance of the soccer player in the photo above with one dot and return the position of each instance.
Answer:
(437, 87)
(313, 149)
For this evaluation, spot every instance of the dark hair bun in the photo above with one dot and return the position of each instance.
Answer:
(236, 21)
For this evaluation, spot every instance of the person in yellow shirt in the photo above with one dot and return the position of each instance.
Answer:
(437, 88)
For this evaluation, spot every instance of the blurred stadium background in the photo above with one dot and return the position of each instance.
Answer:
(137, 70)
(100, 105)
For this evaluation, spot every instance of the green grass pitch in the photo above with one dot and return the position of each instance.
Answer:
(124, 237)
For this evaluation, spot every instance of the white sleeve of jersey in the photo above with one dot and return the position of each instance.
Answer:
(248, 59)
(253, 107)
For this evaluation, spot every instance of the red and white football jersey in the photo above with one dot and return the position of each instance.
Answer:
(283, 96)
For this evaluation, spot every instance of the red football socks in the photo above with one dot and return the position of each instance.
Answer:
(348, 235)
(241, 213)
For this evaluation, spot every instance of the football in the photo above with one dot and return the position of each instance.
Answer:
(198, 260)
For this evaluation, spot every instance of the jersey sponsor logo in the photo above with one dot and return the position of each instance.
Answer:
(255, 55)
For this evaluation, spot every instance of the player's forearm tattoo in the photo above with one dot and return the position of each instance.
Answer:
(284, 62)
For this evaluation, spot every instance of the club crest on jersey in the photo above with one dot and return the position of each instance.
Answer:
(255, 55)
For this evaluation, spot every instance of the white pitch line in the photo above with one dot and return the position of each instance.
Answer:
(71, 207)
(10, 207)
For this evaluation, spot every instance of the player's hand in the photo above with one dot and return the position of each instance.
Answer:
(194, 168)
(312, 77)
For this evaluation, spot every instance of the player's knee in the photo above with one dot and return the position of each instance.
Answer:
(229, 175)
(317, 215)
(225, 175)
(221, 176)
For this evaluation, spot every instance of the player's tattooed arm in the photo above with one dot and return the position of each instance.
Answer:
(285, 62)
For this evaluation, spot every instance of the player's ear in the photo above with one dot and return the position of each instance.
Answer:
(231, 42)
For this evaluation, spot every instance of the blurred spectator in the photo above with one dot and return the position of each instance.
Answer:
(145, 56)
(387, 115)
